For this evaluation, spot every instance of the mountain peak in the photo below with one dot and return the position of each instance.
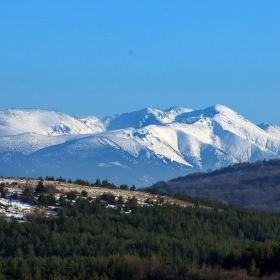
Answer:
(148, 143)
(39, 121)
(218, 108)
(175, 111)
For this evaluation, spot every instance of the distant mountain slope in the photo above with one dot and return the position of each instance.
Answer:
(43, 122)
(144, 118)
(139, 148)
(271, 129)
(253, 185)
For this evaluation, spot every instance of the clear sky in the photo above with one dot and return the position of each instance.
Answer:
(98, 57)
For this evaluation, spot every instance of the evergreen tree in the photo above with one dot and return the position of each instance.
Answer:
(40, 187)
(252, 270)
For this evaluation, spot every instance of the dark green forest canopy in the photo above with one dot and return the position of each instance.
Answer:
(252, 185)
(98, 238)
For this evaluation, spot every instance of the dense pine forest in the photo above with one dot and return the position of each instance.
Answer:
(89, 240)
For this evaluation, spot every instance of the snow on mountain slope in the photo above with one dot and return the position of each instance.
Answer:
(111, 155)
(143, 146)
(238, 125)
(6, 130)
(27, 143)
(143, 118)
(227, 119)
(271, 129)
(175, 111)
(43, 122)
(157, 139)
(226, 129)
(95, 124)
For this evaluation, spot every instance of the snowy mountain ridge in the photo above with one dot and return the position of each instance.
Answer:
(139, 147)
(43, 122)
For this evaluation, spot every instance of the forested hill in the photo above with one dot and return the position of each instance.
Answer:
(252, 185)
(88, 240)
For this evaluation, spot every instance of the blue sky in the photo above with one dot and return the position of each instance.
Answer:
(100, 58)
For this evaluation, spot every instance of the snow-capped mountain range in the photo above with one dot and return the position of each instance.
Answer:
(138, 148)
